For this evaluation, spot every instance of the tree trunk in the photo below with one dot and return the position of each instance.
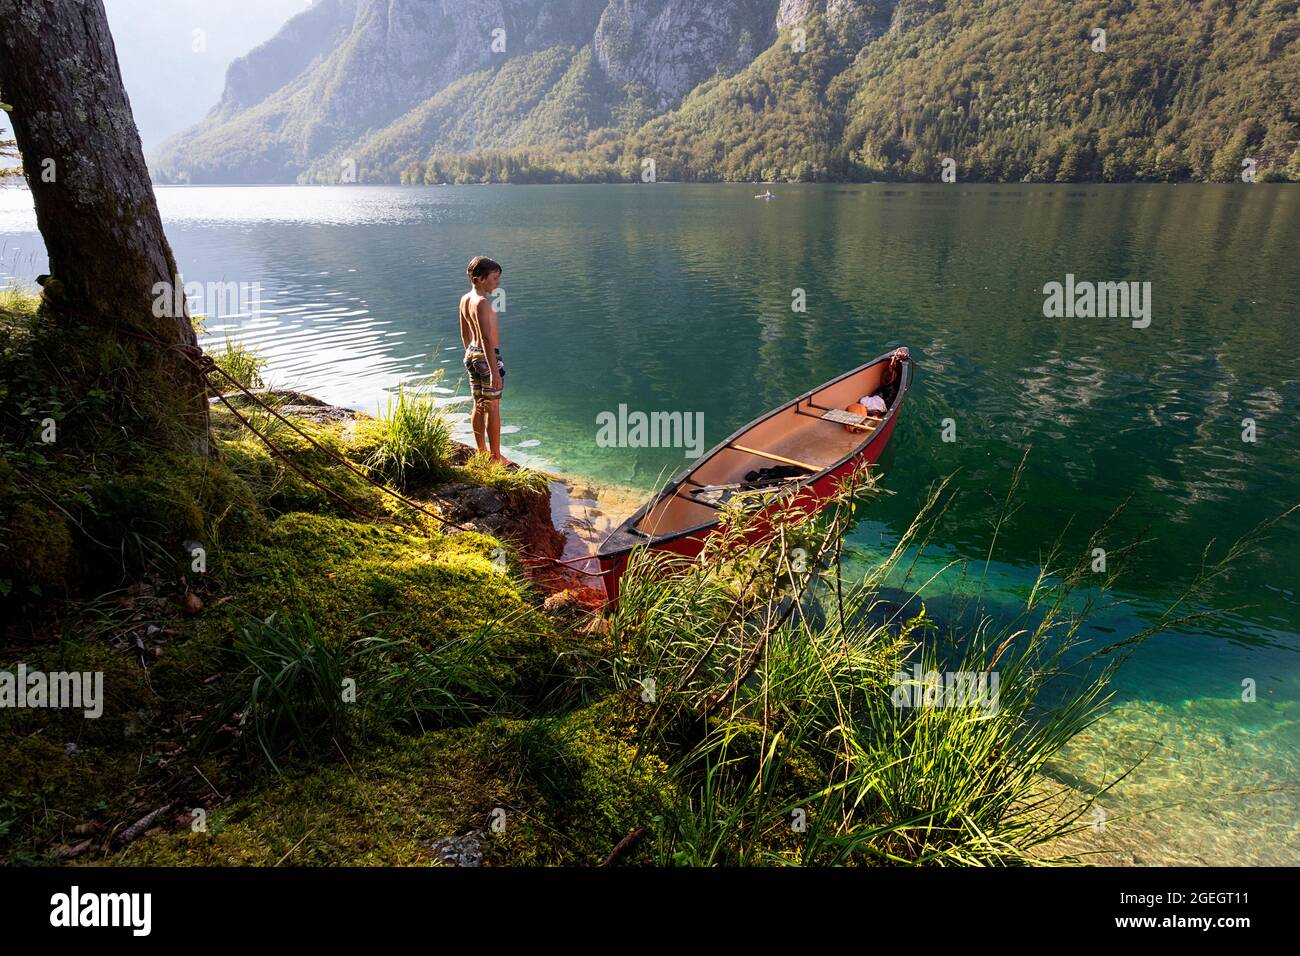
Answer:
(95, 205)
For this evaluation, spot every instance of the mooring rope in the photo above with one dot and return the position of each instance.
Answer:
(205, 364)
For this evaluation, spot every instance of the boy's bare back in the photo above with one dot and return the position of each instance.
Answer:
(476, 313)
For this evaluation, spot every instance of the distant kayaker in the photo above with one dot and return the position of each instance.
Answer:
(480, 334)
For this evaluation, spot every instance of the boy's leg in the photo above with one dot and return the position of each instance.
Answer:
(494, 432)
(494, 427)
(478, 421)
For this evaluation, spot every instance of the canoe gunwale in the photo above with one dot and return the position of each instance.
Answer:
(627, 529)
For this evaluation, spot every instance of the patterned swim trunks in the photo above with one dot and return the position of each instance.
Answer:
(480, 376)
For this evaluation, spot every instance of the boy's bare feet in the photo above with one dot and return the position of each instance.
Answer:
(503, 460)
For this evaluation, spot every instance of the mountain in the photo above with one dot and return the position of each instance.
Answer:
(174, 55)
(583, 90)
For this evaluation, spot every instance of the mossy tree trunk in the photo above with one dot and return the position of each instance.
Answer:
(96, 209)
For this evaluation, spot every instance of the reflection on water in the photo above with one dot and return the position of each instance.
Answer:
(678, 298)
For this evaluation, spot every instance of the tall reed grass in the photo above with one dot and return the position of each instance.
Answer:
(790, 684)
(241, 363)
(410, 438)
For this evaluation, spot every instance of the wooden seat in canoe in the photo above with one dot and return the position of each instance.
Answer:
(775, 457)
(842, 416)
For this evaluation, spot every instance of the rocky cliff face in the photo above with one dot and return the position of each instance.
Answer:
(671, 46)
(861, 19)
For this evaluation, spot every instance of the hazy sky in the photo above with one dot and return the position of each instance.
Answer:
(174, 75)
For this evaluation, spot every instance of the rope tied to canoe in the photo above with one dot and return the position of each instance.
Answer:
(205, 365)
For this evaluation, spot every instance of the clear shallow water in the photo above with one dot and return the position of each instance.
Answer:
(677, 298)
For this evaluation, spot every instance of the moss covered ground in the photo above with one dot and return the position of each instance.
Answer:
(298, 677)
(557, 790)
(98, 574)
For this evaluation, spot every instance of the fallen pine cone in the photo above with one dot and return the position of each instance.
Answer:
(68, 852)
(141, 825)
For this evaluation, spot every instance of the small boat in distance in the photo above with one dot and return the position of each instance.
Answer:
(802, 448)
(767, 195)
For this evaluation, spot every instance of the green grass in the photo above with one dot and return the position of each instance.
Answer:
(740, 709)
(299, 594)
(18, 301)
(298, 693)
(806, 757)
(97, 498)
(480, 469)
(241, 363)
(435, 635)
(409, 438)
(291, 689)
(563, 789)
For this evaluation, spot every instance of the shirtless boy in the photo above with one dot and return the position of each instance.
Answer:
(479, 333)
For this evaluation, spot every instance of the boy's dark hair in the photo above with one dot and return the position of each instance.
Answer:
(480, 267)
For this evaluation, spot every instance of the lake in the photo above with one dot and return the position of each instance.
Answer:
(701, 300)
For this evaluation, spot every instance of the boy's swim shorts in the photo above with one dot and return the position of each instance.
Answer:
(480, 376)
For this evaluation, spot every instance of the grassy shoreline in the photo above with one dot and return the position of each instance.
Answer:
(334, 690)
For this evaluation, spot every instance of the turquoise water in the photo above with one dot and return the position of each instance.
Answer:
(678, 298)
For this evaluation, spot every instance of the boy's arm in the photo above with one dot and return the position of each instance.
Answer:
(487, 318)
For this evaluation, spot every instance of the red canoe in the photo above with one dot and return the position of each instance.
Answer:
(806, 439)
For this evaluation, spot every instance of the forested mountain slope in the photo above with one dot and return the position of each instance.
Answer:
(434, 91)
